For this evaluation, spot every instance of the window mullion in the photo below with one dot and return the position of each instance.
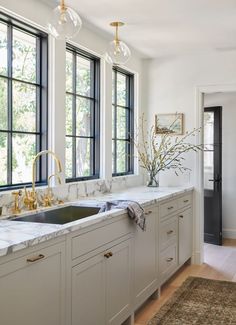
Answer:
(128, 106)
(74, 67)
(38, 105)
(90, 70)
(128, 126)
(115, 123)
(92, 119)
(15, 91)
(9, 105)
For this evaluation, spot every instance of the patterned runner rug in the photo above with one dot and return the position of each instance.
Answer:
(199, 301)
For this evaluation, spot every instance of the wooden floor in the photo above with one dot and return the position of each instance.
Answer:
(220, 264)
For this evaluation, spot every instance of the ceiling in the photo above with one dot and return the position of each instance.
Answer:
(158, 28)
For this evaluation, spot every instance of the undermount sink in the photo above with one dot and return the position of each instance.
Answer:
(60, 216)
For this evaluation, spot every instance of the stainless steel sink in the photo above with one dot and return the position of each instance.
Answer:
(60, 216)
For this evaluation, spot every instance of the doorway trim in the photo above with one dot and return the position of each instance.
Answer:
(200, 91)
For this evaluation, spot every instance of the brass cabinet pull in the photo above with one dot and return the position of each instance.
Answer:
(109, 254)
(186, 201)
(148, 212)
(181, 216)
(170, 208)
(170, 232)
(35, 258)
(169, 259)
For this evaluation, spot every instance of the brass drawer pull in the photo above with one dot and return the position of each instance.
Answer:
(148, 212)
(170, 208)
(170, 232)
(169, 259)
(181, 216)
(186, 201)
(35, 258)
(109, 254)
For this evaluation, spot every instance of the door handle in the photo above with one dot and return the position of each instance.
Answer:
(214, 180)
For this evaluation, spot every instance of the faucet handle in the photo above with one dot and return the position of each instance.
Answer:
(17, 193)
(47, 198)
(30, 199)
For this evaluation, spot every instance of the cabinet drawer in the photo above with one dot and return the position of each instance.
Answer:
(96, 238)
(168, 232)
(185, 201)
(168, 261)
(168, 208)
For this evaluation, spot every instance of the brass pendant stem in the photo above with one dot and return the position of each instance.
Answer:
(116, 36)
(63, 6)
(116, 24)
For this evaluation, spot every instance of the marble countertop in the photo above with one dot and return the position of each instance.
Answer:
(17, 235)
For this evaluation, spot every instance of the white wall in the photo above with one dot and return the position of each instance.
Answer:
(228, 103)
(38, 13)
(175, 84)
(171, 86)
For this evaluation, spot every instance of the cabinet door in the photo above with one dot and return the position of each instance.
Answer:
(33, 288)
(88, 292)
(118, 283)
(185, 235)
(145, 246)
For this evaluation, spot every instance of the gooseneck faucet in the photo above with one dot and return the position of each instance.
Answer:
(30, 199)
(44, 152)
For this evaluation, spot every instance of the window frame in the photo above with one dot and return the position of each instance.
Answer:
(41, 84)
(130, 131)
(95, 154)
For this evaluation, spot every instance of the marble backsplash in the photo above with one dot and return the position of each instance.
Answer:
(74, 191)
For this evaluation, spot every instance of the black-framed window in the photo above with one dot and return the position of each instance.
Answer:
(23, 102)
(82, 115)
(122, 122)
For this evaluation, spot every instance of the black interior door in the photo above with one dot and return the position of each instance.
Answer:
(213, 175)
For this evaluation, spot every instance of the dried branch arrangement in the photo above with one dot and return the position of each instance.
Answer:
(163, 152)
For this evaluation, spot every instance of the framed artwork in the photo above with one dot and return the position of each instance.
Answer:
(169, 123)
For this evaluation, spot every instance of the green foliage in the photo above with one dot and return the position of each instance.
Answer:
(23, 105)
(82, 112)
(121, 119)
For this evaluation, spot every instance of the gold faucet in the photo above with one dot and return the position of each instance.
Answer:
(54, 175)
(16, 209)
(48, 197)
(30, 199)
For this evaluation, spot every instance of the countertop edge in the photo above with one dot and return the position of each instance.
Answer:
(12, 243)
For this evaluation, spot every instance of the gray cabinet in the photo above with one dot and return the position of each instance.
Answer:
(111, 268)
(168, 245)
(146, 257)
(175, 234)
(88, 292)
(102, 287)
(185, 235)
(33, 288)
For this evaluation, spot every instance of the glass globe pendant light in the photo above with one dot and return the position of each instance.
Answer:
(117, 52)
(65, 22)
